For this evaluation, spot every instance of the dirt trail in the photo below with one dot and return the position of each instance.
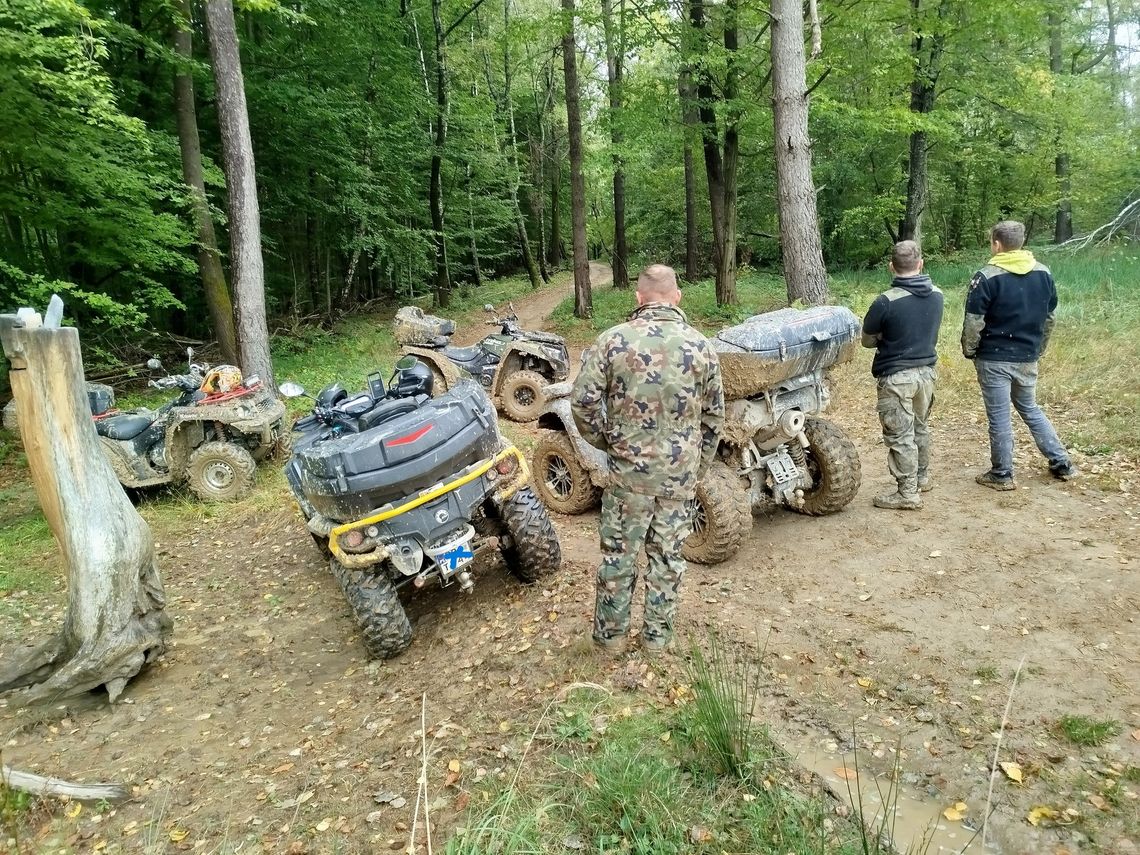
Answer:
(265, 723)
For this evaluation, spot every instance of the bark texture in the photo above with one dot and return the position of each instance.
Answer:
(615, 60)
(583, 302)
(247, 268)
(690, 120)
(800, 244)
(435, 187)
(116, 620)
(214, 286)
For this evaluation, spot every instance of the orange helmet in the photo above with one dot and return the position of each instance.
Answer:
(221, 378)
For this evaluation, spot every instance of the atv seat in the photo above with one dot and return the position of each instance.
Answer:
(463, 354)
(382, 411)
(126, 426)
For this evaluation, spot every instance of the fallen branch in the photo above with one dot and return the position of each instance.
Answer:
(38, 785)
(1106, 232)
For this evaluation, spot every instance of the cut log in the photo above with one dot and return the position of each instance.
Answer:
(38, 785)
(116, 621)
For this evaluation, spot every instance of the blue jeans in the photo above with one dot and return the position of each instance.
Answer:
(1016, 382)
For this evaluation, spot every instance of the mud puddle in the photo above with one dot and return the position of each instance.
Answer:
(909, 818)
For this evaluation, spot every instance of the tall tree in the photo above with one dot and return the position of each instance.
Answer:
(214, 285)
(247, 269)
(583, 299)
(690, 122)
(800, 243)
(615, 63)
(435, 186)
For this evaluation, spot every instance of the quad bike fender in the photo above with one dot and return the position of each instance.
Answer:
(556, 415)
(518, 355)
(260, 416)
(132, 470)
(451, 374)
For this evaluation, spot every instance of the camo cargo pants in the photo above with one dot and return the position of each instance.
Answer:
(905, 400)
(629, 521)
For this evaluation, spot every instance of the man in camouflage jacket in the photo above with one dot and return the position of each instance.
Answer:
(650, 396)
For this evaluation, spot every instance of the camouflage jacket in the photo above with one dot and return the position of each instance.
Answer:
(649, 394)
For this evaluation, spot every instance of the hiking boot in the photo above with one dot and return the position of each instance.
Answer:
(897, 501)
(1065, 472)
(925, 482)
(654, 649)
(996, 482)
(615, 646)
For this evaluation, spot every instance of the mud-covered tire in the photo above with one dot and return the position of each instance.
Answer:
(322, 544)
(220, 472)
(523, 395)
(531, 548)
(376, 608)
(282, 448)
(560, 480)
(438, 381)
(834, 465)
(722, 515)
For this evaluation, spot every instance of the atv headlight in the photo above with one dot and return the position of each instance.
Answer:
(553, 352)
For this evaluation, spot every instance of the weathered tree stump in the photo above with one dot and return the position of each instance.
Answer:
(115, 620)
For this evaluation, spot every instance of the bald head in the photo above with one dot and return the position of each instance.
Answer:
(658, 284)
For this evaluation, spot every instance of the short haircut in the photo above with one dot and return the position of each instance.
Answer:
(906, 256)
(657, 282)
(1009, 233)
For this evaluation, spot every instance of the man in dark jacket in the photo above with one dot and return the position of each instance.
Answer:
(1009, 317)
(902, 325)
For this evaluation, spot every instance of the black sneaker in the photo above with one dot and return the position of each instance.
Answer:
(996, 482)
(1065, 472)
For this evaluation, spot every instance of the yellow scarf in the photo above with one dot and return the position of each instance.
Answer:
(1019, 261)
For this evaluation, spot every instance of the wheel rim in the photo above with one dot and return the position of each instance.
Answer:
(218, 475)
(525, 396)
(700, 521)
(559, 478)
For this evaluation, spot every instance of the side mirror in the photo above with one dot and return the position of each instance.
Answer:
(153, 364)
(291, 389)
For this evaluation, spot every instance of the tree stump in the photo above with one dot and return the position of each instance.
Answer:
(115, 620)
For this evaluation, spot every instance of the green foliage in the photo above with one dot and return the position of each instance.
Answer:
(1088, 732)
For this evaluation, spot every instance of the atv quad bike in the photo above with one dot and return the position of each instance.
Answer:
(211, 436)
(513, 365)
(774, 449)
(399, 488)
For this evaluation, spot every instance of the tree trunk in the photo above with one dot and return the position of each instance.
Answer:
(689, 120)
(247, 269)
(1063, 225)
(554, 250)
(435, 189)
(217, 293)
(537, 203)
(800, 243)
(615, 59)
(476, 272)
(583, 302)
(926, 52)
(512, 141)
(116, 621)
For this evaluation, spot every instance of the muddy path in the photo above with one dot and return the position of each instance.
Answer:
(265, 726)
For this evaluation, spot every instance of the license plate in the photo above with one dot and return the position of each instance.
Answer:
(453, 559)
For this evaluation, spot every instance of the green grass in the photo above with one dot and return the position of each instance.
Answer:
(1087, 375)
(1088, 732)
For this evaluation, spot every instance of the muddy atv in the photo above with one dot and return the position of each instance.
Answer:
(775, 449)
(209, 436)
(399, 488)
(514, 365)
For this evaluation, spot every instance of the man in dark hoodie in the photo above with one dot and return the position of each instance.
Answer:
(1009, 317)
(902, 325)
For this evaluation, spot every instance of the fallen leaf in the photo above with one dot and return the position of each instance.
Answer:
(1012, 770)
(666, 736)
(1098, 802)
(461, 801)
(504, 726)
(452, 778)
(284, 767)
(454, 766)
(573, 841)
(1136, 734)
(324, 824)
(700, 834)
(1039, 813)
(864, 597)
(74, 811)
(956, 811)
(936, 553)
(177, 835)
(845, 774)
(865, 682)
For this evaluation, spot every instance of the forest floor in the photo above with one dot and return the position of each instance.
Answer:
(265, 728)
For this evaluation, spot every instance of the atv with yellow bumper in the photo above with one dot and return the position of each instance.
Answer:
(399, 489)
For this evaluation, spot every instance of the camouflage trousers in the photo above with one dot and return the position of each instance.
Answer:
(905, 400)
(629, 522)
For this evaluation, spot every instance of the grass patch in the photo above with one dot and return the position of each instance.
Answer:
(1088, 732)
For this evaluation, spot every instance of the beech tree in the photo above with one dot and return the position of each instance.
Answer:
(246, 265)
(583, 303)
